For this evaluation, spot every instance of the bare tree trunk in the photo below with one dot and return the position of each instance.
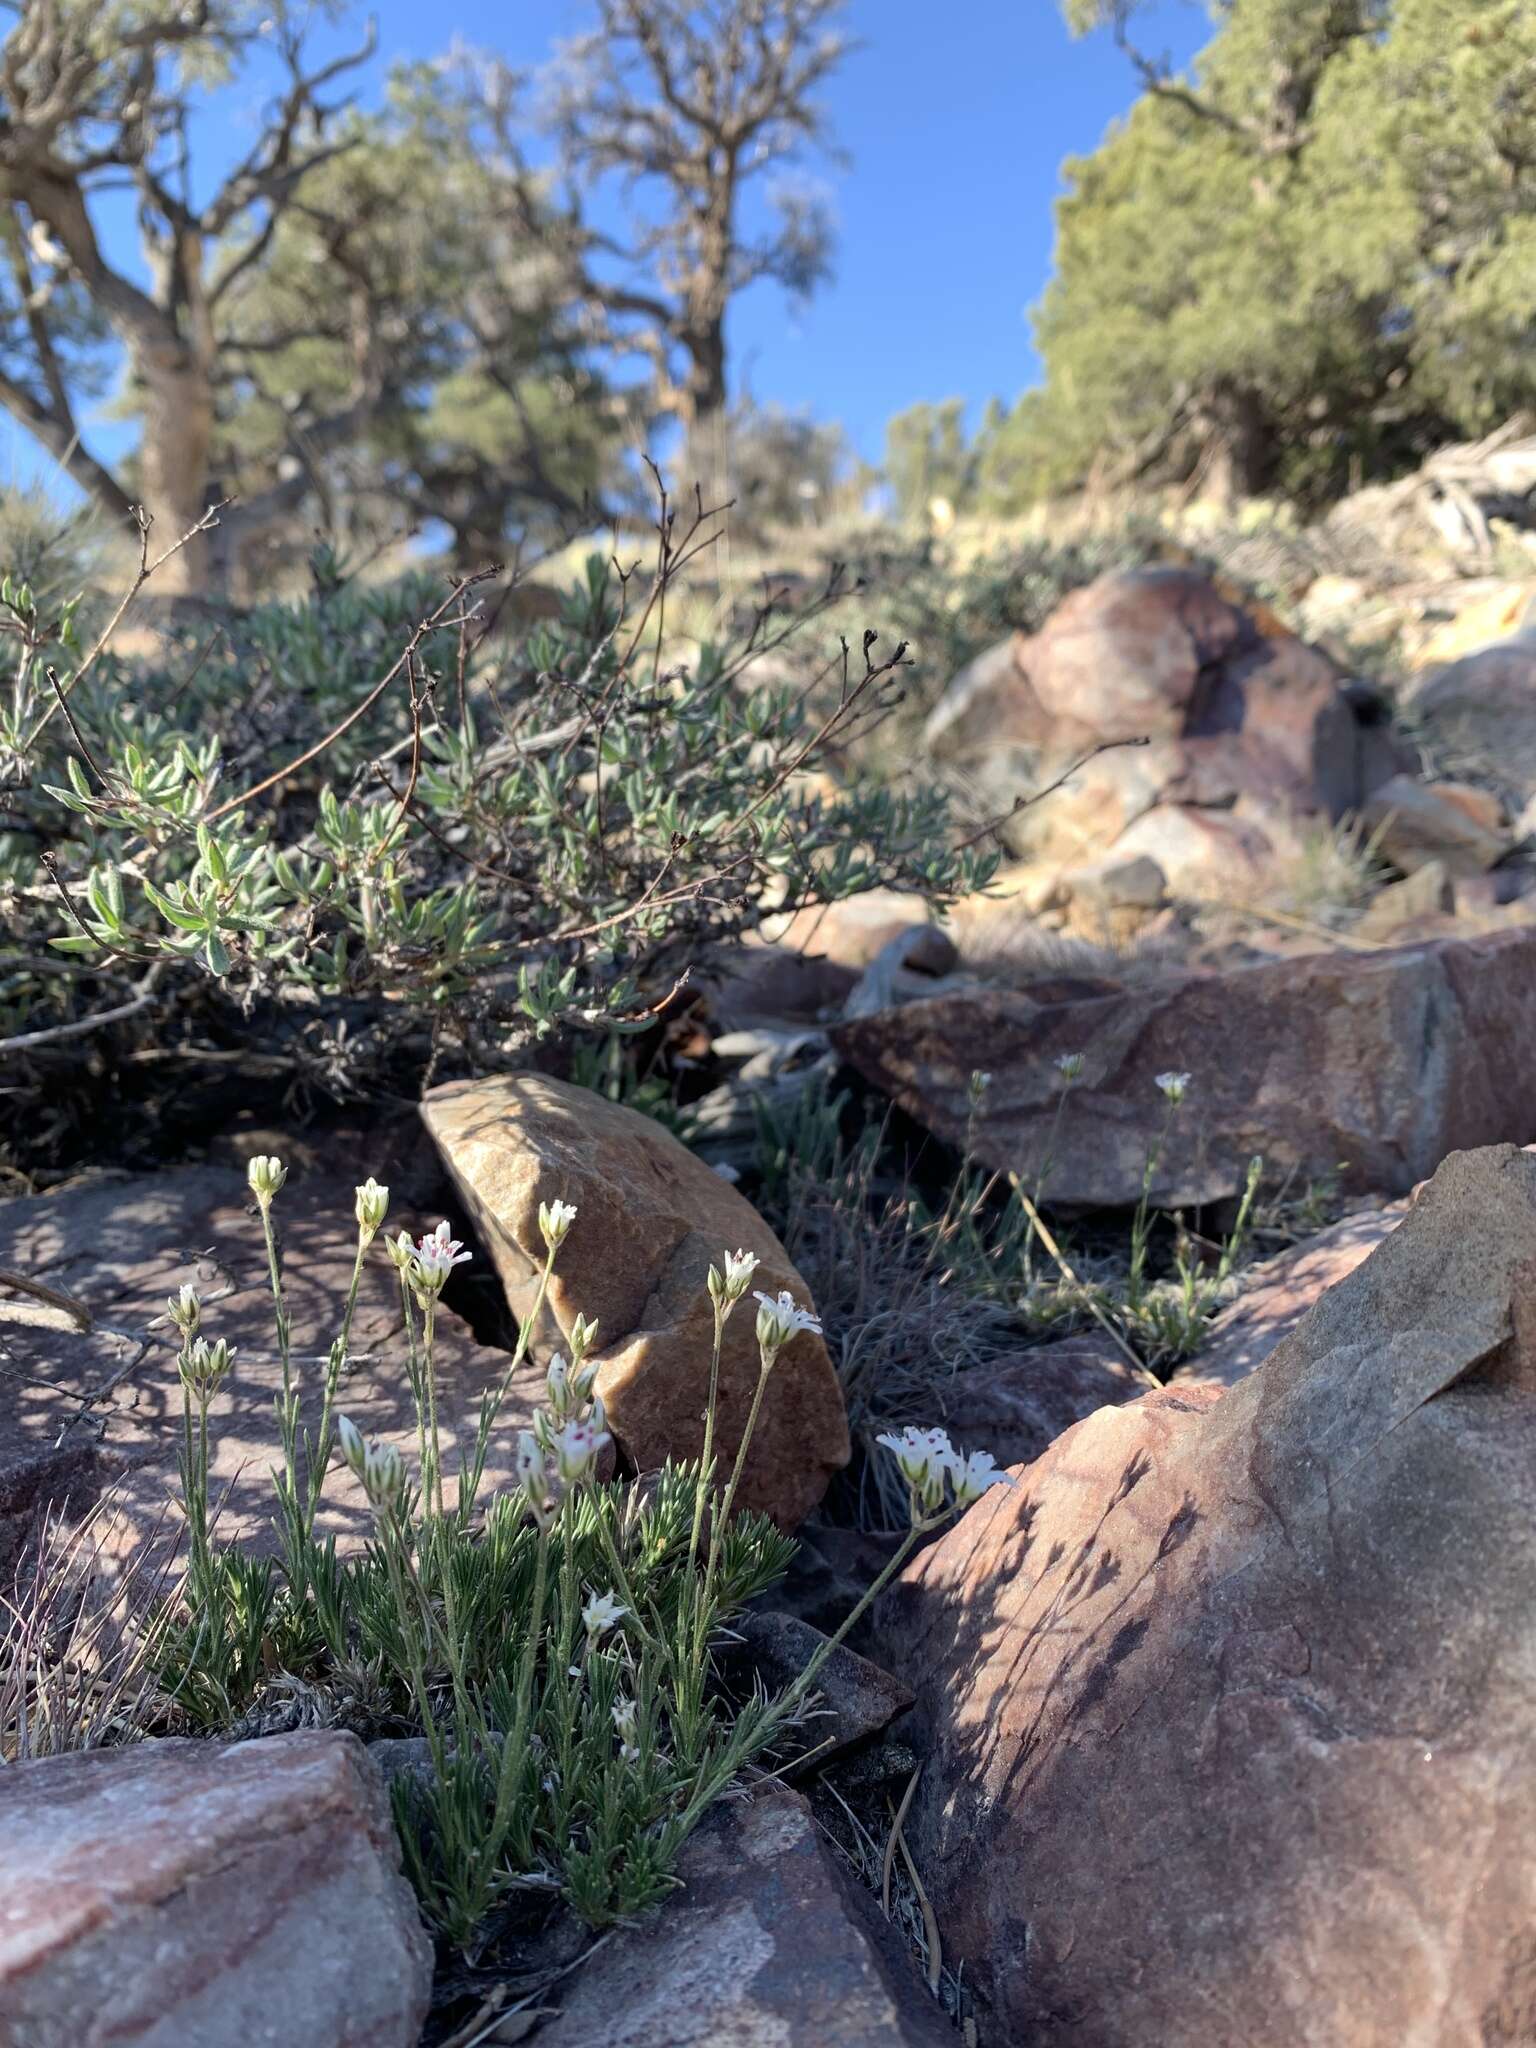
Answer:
(174, 459)
(706, 450)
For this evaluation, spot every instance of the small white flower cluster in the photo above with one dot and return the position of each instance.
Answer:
(1173, 1086)
(729, 1281)
(1070, 1066)
(778, 1319)
(602, 1612)
(932, 1466)
(203, 1366)
(379, 1466)
(427, 1263)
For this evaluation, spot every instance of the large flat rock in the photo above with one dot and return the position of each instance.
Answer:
(80, 1411)
(201, 1895)
(1379, 1065)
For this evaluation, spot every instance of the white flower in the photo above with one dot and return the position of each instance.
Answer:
(379, 1466)
(624, 1712)
(372, 1206)
(602, 1612)
(981, 1081)
(972, 1476)
(265, 1174)
(575, 1449)
(435, 1257)
(729, 1281)
(1173, 1086)
(555, 1219)
(205, 1366)
(1069, 1065)
(926, 1458)
(185, 1309)
(779, 1319)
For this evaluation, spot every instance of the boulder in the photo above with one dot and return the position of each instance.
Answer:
(104, 1405)
(768, 1943)
(1478, 715)
(1377, 1064)
(1241, 706)
(651, 1220)
(1230, 1704)
(1278, 1292)
(1414, 823)
(195, 1892)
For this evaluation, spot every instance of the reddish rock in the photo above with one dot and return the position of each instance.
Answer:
(1163, 654)
(197, 1893)
(1229, 1707)
(106, 1405)
(651, 1220)
(1278, 1292)
(1414, 824)
(1379, 1064)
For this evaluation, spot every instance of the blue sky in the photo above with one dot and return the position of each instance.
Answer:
(955, 118)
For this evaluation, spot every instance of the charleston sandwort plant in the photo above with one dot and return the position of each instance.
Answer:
(554, 1643)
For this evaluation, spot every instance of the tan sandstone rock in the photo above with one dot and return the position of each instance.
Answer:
(651, 1219)
(228, 1896)
(1229, 1707)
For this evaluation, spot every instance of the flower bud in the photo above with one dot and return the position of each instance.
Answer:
(185, 1309)
(266, 1174)
(372, 1207)
(204, 1367)
(555, 1219)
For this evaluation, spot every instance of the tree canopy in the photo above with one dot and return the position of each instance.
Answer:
(1303, 264)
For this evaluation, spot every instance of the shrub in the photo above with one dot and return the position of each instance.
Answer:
(343, 840)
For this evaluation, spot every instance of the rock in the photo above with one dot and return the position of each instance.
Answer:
(1412, 823)
(1244, 707)
(806, 965)
(1377, 1064)
(651, 1219)
(1204, 854)
(1117, 882)
(769, 1944)
(194, 1892)
(1016, 1407)
(1479, 714)
(106, 1406)
(1230, 1706)
(1278, 1292)
(853, 1698)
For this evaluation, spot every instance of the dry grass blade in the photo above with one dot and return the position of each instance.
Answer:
(76, 1641)
(895, 1836)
